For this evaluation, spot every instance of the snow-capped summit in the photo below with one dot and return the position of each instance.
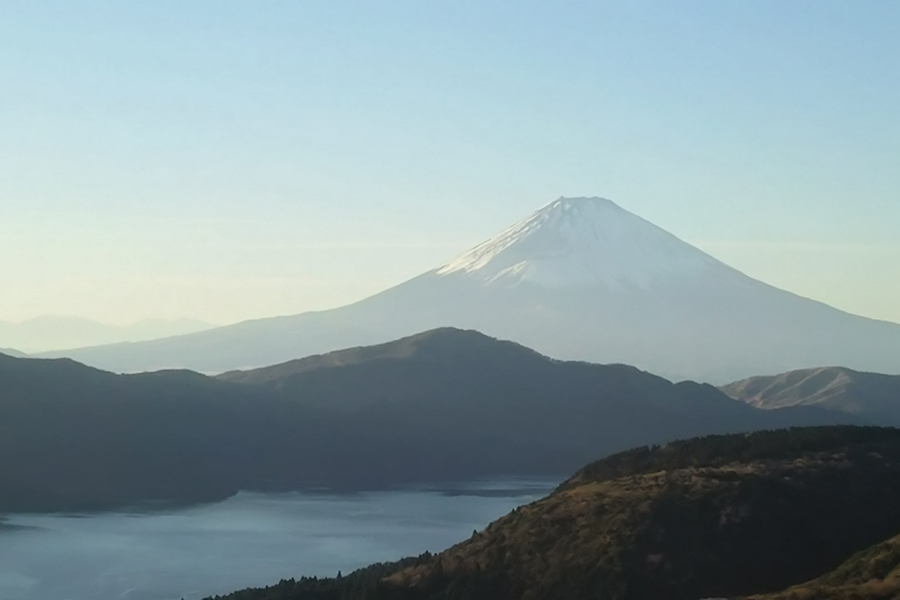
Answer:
(579, 242)
(579, 279)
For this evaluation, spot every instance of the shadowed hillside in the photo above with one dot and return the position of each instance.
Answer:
(448, 382)
(873, 574)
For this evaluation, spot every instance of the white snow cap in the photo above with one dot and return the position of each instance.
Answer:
(579, 242)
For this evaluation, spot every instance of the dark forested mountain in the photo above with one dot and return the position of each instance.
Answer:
(443, 405)
(580, 279)
(73, 437)
(716, 517)
(448, 383)
(871, 396)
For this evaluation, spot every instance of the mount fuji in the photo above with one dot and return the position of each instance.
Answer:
(580, 279)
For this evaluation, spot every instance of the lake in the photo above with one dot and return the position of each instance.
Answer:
(248, 540)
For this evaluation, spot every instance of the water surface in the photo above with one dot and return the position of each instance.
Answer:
(248, 540)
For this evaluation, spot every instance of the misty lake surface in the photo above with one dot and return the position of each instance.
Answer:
(248, 540)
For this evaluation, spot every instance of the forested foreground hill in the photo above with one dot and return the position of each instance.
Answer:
(722, 516)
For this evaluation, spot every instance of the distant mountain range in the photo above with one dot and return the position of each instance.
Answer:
(580, 279)
(59, 333)
(438, 406)
(717, 517)
(871, 396)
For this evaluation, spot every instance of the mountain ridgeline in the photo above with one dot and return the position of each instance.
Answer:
(48, 332)
(716, 517)
(580, 279)
(872, 396)
(438, 406)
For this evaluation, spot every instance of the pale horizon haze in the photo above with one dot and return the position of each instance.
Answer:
(223, 161)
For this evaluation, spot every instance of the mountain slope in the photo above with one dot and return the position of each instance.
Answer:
(713, 517)
(872, 396)
(439, 406)
(580, 279)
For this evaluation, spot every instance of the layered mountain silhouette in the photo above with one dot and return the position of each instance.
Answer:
(580, 279)
(717, 517)
(871, 396)
(51, 332)
(439, 406)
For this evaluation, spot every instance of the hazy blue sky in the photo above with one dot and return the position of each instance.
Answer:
(226, 160)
